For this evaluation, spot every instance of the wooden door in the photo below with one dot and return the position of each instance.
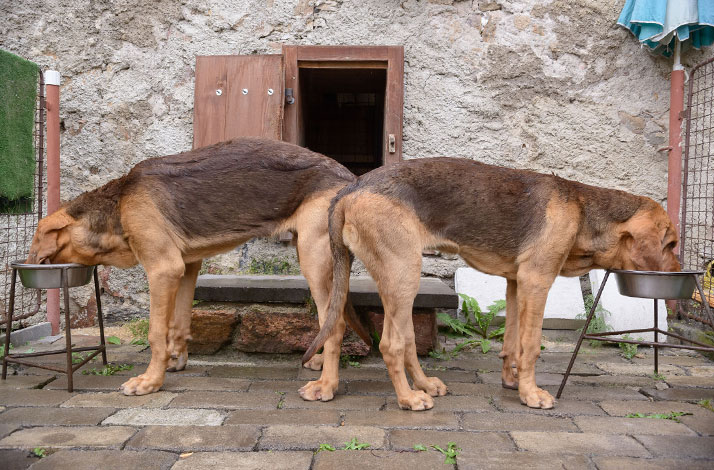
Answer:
(237, 96)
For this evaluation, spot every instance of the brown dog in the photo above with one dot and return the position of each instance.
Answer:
(524, 226)
(170, 212)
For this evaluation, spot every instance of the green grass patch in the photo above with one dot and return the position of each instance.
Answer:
(673, 415)
(109, 369)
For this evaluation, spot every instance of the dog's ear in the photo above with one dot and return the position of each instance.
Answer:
(45, 242)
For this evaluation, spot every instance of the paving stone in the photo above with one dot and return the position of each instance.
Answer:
(702, 371)
(350, 373)
(81, 382)
(620, 408)
(550, 366)
(484, 390)
(578, 443)
(170, 417)
(11, 397)
(447, 376)
(262, 373)
(106, 459)
(191, 370)
(618, 463)
(7, 428)
(340, 402)
(516, 422)
(245, 461)
(402, 439)
(287, 386)
(16, 459)
(119, 400)
(283, 416)
(370, 387)
(594, 393)
(171, 383)
(638, 369)
(227, 400)
(428, 419)
(679, 446)
(686, 381)
(378, 460)
(563, 407)
(702, 423)
(609, 425)
(25, 381)
(480, 460)
(452, 403)
(611, 380)
(55, 416)
(288, 437)
(64, 436)
(196, 438)
(680, 394)
(542, 379)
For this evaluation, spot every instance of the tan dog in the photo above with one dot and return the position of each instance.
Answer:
(524, 226)
(170, 212)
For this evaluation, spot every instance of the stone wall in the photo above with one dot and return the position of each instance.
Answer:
(553, 86)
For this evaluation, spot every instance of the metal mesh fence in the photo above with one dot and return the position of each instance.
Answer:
(697, 221)
(17, 229)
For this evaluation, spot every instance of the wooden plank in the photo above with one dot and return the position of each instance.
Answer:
(342, 64)
(291, 116)
(209, 108)
(394, 104)
(254, 101)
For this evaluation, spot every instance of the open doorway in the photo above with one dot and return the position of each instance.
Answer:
(343, 114)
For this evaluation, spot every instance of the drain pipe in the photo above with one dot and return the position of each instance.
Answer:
(52, 100)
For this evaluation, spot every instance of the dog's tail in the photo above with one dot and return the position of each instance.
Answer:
(339, 293)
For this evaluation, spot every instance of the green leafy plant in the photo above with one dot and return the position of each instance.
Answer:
(598, 324)
(40, 452)
(420, 448)
(324, 447)
(139, 331)
(354, 444)
(658, 376)
(475, 328)
(281, 402)
(78, 357)
(628, 350)
(109, 369)
(672, 415)
(706, 404)
(347, 360)
(375, 339)
(2, 349)
(113, 340)
(450, 453)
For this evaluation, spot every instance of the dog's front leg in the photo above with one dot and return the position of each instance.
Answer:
(533, 289)
(180, 326)
(164, 278)
(511, 349)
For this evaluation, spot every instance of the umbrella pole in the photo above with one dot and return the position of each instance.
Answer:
(676, 106)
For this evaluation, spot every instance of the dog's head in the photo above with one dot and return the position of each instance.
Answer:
(60, 238)
(648, 240)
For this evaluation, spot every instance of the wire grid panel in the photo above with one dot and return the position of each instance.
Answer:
(697, 227)
(16, 230)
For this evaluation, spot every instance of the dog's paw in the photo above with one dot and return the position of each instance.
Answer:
(537, 398)
(140, 385)
(416, 400)
(433, 386)
(317, 390)
(315, 363)
(177, 362)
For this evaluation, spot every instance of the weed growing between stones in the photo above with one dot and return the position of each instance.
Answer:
(139, 331)
(40, 452)
(475, 328)
(671, 415)
(598, 323)
(708, 404)
(354, 444)
(325, 447)
(109, 369)
(450, 453)
(628, 350)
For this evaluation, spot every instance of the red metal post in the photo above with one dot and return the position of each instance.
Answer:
(674, 178)
(52, 100)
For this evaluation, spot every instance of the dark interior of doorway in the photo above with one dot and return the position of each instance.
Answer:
(343, 114)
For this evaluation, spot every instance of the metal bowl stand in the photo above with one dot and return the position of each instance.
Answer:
(694, 345)
(68, 350)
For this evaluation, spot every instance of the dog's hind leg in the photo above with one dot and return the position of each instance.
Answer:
(316, 265)
(510, 338)
(180, 326)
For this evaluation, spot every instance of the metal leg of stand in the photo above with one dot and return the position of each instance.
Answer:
(8, 329)
(67, 329)
(656, 349)
(100, 318)
(582, 334)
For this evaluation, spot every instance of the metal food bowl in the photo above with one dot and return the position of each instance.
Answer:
(49, 276)
(657, 285)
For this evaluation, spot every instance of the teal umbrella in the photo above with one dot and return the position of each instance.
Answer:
(668, 27)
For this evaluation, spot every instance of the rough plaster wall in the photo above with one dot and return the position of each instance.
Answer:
(545, 85)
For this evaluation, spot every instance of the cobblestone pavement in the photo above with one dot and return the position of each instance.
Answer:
(235, 410)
